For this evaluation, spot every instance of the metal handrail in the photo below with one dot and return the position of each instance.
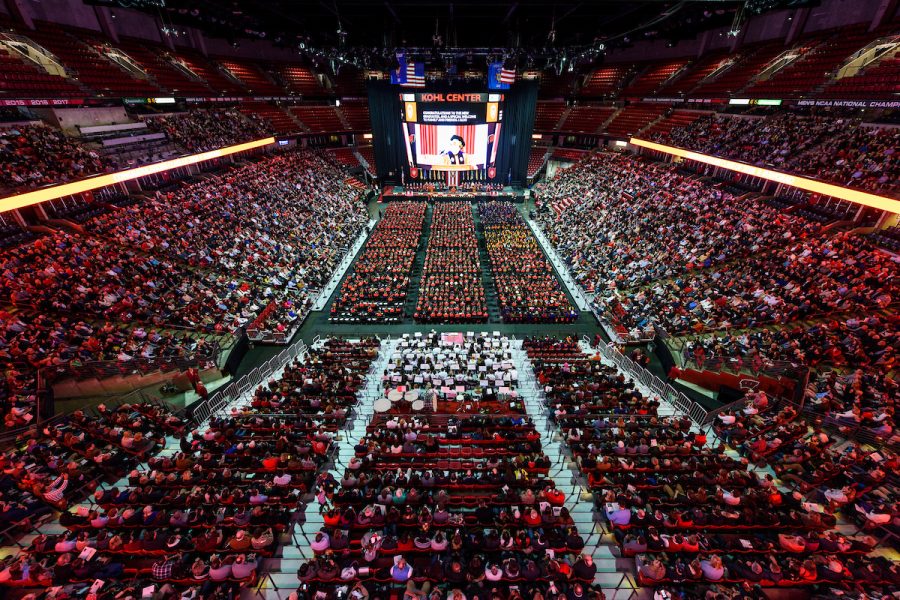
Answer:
(768, 367)
(222, 397)
(107, 368)
(682, 404)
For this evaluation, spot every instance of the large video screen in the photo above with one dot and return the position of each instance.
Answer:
(452, 131)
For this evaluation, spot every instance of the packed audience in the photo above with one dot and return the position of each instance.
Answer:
(71, 292)
(38, 155)
(202, 130)
(574, 385)
(62, 345)
(197, 523)
(872, 341)
(699, 276)
(282, 224)
(376, 291)
(839, 150)
(19, 400)
(451, 290)
(158, 282)
(527, 288)
(62, 463)
(699, 522)
(64, 273)
(610, 194)
(812, 277)
(406, 514)
(866, 398)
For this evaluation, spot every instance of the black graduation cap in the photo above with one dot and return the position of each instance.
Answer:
(461, 141)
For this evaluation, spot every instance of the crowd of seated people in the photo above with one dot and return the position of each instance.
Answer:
(244, 248)
(64, 273)
(282, 223)
(451, 289)
(866, 398)
(675, 224)
(829, 475)
(199, 521)
(816, 276)
(376, 290)
(802, 454)
(202, 130)
(447, 503)
(19, 400)
(527, 288)
(694, 516)
(62, 463)
(574, 384)
(61, 345)
(37, 155)
(868, 342)
(71, 295)
(721, 263)
(840, 150)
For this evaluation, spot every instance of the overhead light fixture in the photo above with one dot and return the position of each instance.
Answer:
(803, 183)
(100, 181)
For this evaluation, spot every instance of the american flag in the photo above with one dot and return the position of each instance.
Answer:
(415, 74)
(507, 75)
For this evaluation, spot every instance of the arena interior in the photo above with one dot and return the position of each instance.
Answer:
(440, 300)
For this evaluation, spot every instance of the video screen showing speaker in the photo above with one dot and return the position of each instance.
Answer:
(447, 131)
(452, 135)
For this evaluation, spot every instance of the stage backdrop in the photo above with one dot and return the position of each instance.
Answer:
(387, 112)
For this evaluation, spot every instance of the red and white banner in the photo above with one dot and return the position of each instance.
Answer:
(52, 102)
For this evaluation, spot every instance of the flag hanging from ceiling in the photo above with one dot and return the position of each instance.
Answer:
(415, 74)
(507, 76)
(399, 73)
(494, 81)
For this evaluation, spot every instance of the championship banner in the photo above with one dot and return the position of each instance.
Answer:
(51, 102)
(851, 103)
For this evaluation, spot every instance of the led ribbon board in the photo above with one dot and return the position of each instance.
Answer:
(810, 185)
(100, 181)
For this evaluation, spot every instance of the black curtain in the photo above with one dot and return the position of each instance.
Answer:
(515, 136)
(386, 112)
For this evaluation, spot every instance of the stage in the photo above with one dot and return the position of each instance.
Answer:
(397, 193)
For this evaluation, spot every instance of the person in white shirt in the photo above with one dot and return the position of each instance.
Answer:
(727, 419)
(874, 516)
(730, 499)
